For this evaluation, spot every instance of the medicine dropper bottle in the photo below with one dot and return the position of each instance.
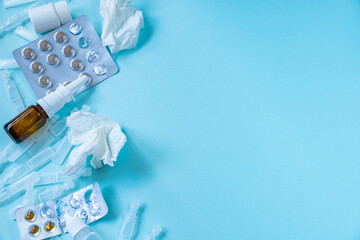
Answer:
(35, 116)
(78, 229)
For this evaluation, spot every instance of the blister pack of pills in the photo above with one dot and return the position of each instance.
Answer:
(46, 220)
(62, 55)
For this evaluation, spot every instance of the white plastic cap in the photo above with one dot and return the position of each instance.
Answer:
(49, 16)
(63, 12)
(73, 224)
(44, 18)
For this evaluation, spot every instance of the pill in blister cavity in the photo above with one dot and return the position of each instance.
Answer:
(84, 42)
(60, 37)
(92, 56)
(44, 45)
(28, 53)
(44, 81)
(52, 59)
(75, 28)
(36, 67)
(30, 216)
(49, 225)
(46, 211)
(65, 42)
(34, 230)
(100, 70)
(76, 64)
(50, 219)
(68, 51)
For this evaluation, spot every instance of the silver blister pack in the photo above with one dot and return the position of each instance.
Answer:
(46, 220)
(38, 221)
(62, 55)
(87, 203)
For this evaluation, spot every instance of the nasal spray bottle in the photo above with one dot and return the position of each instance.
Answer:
(78, 229)
(35, 116)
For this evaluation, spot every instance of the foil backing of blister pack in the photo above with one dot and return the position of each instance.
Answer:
(62, 55)
(46, 220)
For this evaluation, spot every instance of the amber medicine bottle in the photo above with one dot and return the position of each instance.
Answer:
(35, 116)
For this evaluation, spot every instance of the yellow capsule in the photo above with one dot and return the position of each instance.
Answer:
(30, 216)
(34, 230)
(49, 226)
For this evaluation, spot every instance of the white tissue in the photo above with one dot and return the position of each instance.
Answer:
(94, 135)
(121, 25)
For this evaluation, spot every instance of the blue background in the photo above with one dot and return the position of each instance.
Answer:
(242, 120)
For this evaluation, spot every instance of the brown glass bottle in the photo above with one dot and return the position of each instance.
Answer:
(26, 123)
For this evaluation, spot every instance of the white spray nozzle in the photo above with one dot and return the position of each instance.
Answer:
(74, 86)
(73, 224)
(56, 100)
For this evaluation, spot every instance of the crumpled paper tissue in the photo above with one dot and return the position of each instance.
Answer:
(121, 25)
(93, 135)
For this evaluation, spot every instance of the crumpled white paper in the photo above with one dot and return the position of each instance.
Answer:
(98, 136)
(121, 25)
